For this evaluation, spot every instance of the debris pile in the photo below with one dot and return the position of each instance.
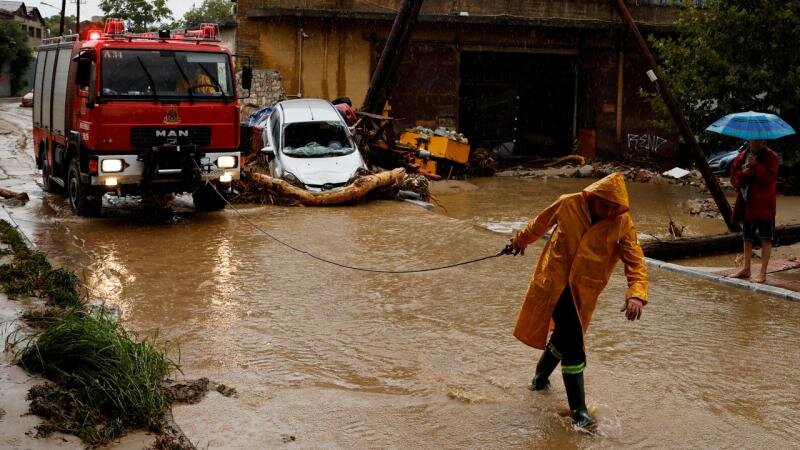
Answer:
(578, 168)
(418, 184)
(442, 132)
(703, 208)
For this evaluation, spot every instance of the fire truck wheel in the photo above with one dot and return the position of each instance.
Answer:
(48, 185)
(81, 199)
(206, 198)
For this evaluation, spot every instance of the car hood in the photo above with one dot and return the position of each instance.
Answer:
(319, 171)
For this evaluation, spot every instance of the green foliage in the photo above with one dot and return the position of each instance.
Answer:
(15, 51)
(210, 11)
(53, 25)
(736, 55)
(139, 15)
(108, 380)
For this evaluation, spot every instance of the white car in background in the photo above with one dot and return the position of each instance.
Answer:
(309, 145)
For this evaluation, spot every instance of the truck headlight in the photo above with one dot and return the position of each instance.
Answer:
(226, 162)
(111, 165)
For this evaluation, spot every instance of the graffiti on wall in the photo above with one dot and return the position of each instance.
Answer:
(647, 142)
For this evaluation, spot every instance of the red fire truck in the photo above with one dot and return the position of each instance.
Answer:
(135, 114)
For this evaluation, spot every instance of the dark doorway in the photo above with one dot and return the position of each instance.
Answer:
(520, 98)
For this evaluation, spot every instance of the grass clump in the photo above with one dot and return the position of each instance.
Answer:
(107, 376)
(31, 274)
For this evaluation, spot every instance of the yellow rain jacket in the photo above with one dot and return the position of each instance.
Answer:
(580, 255)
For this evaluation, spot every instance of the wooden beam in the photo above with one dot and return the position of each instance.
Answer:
(712, 245)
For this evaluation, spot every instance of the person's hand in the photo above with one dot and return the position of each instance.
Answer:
(751, 160)
(633, 308)
(516, 248)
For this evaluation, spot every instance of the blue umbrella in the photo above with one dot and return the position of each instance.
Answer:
(752, 126)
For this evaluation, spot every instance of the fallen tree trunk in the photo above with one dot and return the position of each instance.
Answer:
(21, 196)
(350, 193)
(712, 245)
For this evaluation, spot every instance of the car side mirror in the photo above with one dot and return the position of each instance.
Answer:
(268, 151)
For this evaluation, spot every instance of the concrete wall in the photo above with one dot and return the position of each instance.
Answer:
(267, 89)
(335, 59)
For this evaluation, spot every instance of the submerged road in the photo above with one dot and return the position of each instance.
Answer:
(326, 357)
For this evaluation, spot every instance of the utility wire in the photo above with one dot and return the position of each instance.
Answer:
(505, 251)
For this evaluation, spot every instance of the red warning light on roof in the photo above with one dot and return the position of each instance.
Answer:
(209, 30)
(114, 26)
(94, 35)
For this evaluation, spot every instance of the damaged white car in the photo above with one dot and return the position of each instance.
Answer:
(308, 144)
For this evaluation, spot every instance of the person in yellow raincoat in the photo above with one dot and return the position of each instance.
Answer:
(197, 82)
(593, 230)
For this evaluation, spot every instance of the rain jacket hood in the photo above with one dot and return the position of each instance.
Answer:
(580, 256)
(611, 188)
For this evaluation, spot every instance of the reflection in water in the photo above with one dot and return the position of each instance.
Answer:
(342, 359)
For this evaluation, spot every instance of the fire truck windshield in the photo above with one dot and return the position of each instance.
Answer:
(165, 74)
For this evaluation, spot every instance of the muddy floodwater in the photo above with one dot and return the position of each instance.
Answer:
(327, 357)
(337, 358)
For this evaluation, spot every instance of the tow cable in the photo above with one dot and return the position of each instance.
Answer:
(507, 250)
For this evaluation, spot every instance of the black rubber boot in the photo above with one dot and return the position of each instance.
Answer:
(546, 365)
(576, 397)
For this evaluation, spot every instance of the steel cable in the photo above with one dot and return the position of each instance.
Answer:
(505, 251)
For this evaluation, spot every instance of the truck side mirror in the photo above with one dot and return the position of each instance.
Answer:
(247, 77)
(92, 98)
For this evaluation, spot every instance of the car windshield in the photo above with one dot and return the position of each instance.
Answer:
(158, 74)
(316, 139)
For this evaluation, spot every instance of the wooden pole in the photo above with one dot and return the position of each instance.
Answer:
(620, 81)
(677, 116)
(63, 11)
(385, 73)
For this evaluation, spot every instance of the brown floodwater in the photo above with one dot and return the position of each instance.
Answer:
(327, 357)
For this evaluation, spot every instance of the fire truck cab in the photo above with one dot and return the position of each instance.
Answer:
(137, 114)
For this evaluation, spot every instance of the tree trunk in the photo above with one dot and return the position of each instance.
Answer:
(712, 245)
(21, 196)
(350, 193)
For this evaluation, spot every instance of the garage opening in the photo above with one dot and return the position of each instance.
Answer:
(521, 103)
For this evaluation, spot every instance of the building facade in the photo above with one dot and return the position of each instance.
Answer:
(29, 18)
(539, 77)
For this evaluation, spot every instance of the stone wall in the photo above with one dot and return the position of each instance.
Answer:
(266, 91)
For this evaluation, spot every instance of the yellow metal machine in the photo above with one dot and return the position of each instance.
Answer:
(440, 147)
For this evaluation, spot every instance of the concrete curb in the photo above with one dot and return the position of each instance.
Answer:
(773, 291)
(10, 99)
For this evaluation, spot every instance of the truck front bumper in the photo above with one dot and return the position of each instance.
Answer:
(134, 171)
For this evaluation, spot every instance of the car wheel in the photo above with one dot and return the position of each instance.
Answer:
(83, 201)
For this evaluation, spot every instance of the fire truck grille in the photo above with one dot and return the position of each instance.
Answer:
(155, 136)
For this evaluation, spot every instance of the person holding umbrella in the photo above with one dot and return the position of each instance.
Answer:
(754, 175)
